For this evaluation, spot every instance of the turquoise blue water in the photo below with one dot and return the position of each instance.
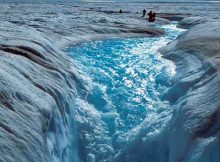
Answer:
(128, 76)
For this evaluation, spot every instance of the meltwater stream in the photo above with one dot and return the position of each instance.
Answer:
(122, 117)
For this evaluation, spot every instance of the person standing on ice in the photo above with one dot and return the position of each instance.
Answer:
(152, 16)
(144, 13)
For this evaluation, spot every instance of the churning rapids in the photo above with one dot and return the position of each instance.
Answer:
(124, 107)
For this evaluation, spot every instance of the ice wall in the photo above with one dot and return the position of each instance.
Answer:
(195, 93)
(38, 85)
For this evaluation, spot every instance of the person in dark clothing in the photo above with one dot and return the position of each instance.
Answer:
(120, 11)
(144, 13)
(152, 16)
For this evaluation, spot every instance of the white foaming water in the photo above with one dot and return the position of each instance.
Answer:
(123, 107)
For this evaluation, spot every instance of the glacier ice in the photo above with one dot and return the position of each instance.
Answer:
(42, 93)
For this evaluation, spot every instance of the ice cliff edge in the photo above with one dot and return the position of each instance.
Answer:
(195, 92)
(37, 87)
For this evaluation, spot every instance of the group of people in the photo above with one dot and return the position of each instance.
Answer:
(151, 15)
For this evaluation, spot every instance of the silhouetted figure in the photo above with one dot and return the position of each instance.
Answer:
(152, 16)
(120, 11)
(144, 13)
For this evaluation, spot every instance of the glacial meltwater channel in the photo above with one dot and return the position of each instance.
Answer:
(122, 115)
